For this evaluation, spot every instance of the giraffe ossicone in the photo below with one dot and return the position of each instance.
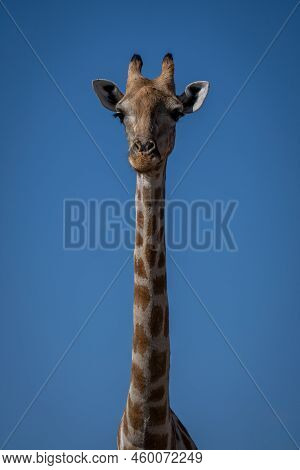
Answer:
(149, 110)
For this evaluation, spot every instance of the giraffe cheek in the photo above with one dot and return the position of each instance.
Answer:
(166, 142)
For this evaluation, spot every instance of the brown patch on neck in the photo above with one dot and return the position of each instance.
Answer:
(137, 378)
(156, 320)
(135, 414)
(138, 239)
(139, 267)
(157, 194)
(158, 414)
(140, 340)
(155, 441)
(140, 219)
(159, 285)
(158, 365)
(150, 255)
(141, 296)
(161, 233)
(161, 260)
(157, 394)
(166, 324)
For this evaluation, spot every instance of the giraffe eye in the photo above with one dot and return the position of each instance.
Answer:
(176, 114)
(119, 115)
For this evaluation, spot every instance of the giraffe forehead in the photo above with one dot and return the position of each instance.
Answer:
(146, 99)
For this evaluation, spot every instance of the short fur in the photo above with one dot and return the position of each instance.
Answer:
(149, 110)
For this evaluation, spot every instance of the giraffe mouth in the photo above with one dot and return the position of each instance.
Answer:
(144, 163)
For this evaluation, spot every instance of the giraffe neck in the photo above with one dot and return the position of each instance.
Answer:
(148, 399)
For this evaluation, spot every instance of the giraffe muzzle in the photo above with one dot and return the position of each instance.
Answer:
(147, 148)
(144, 156)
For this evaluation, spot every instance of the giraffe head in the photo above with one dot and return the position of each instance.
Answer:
(149, 110)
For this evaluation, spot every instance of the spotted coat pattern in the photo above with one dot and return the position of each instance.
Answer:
(148, 421)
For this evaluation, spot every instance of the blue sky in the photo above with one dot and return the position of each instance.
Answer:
(47, 155)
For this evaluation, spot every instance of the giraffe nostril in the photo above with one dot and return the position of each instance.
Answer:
(137, 146)
(150, 146)
(147, 148)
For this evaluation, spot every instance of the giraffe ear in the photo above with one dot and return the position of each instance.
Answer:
(193, 96)
(108, 93)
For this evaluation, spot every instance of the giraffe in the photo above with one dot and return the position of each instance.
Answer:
(149, 110)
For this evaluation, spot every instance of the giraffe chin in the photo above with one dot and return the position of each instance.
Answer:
(145, 163)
